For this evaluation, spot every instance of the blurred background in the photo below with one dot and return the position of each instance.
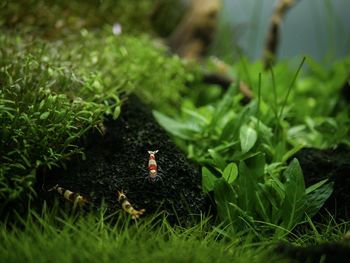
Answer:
(319, 28)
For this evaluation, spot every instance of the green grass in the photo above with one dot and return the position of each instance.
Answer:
(42, 238)
(56, 237)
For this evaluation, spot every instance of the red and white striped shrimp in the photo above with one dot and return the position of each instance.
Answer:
(127, 206)
(75, 198)
(153, 174)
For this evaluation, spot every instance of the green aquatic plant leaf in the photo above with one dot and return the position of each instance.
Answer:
(248, 137)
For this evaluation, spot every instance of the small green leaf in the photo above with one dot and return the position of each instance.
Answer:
(248, 137)
(230, 173)
(174, 127)
(197, 117)
(293, 209)
(44, 115)
(315, 186)
(208, 180)
(292, 152)
(317, 197)
(218, 160)
(116, 112)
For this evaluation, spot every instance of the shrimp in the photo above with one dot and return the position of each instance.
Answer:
(127, 206)
(75, 198)
(153, 173)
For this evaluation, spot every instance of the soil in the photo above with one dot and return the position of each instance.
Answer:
(118, 161)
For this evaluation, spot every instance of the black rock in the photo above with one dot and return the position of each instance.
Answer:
(328, 252)
(332, 164)
(118, 161)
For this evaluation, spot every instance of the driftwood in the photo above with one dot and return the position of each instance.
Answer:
(192, 37)
(224, 81)
(273, 36)
(194, 33)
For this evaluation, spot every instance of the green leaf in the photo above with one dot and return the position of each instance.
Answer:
(315, 186)
(224, 106)
(197, 117)
(174, 127)
(44, 115)
(263, 205)
(242, 215)
(246, 185)
(317, 195)
(293, 208)
(218, 160)
(248, 137)
(256, 164)
(230, 173)
(116, 112)
(292, 152)
(224, 195)
(208, 180)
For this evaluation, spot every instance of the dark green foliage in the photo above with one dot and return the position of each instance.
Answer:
(255, 198)
(57, 18)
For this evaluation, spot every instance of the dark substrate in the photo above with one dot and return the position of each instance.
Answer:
(118, 161)
(338, 252)
(332, 164)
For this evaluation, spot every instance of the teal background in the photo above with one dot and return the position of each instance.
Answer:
(319, 28)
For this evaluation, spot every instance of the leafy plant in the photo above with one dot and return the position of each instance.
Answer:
(215, 135)
(249, 196)
(315, 109)
(244, 151)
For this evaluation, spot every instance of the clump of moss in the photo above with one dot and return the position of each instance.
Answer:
(40, 122)
(137, 64)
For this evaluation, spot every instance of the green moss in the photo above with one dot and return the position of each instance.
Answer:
(40, 122)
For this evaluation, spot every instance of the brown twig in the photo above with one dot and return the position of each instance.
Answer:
(273, 36)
